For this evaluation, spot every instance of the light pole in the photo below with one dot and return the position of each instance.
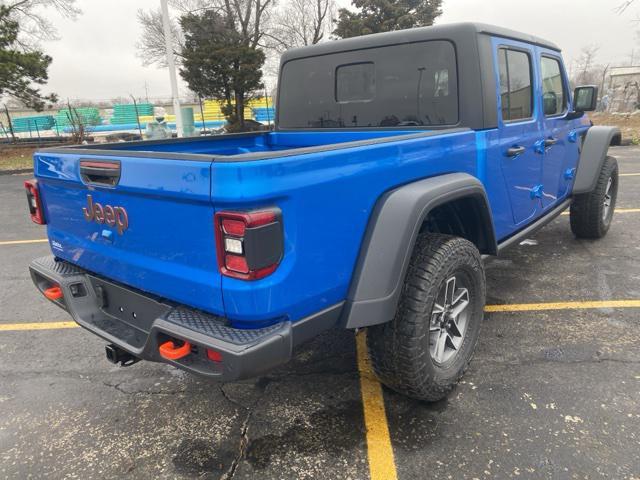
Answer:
(168, 42)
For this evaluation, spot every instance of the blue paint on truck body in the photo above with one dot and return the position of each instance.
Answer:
(326, 196)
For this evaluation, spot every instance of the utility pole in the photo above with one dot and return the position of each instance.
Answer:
(135, 106)
(171, 64)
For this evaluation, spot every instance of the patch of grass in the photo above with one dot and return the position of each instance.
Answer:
(628, 123)
(16, 158)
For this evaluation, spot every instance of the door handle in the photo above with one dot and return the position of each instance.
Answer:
(550, 141)
(515, 151)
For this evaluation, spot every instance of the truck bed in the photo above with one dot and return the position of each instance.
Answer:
(241, 146)
(172, 189)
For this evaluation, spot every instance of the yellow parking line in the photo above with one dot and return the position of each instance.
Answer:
(13, 327)
(22, 242)
(363, 360)
(627, 210)
(379, 449)
(533, 307)
(618, 210)
(629, 174)
(382, 465)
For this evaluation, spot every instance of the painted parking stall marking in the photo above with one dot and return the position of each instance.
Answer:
(533, 307)
(13, 327)
(365, 367)
(379, 449)
(618, 210)
(23, 242)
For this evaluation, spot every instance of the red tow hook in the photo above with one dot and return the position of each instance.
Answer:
(169, 350)
(53, 293)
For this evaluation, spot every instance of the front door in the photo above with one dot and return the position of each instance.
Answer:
(519, 129)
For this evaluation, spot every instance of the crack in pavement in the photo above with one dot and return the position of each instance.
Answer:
(539, 361)
(117, 387)
(285, 376)
(244, 428)
(242, 447)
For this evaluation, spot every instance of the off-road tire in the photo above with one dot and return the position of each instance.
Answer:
(399, 350)
(587, 214)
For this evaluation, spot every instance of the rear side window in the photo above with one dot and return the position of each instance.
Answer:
(515, 84)
(413, 84)
(553, 92)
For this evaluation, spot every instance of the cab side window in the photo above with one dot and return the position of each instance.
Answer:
(515, 84)
(553, 92)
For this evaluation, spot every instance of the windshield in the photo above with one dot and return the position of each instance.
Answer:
(394, 86)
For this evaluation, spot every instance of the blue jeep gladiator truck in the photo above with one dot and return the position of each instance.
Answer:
(397, 162)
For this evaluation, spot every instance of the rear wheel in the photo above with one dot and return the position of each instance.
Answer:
(592, 212)
(426, 348)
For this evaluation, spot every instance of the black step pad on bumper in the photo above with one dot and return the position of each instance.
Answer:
(139, 322)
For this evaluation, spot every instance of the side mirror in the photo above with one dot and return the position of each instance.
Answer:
(550, 102)
(585, 99)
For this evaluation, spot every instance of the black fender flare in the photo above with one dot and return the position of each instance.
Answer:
(390, 238)
(594, 150)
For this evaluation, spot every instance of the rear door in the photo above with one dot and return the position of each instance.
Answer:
(561, 149)
(144, 222)
(518, 125)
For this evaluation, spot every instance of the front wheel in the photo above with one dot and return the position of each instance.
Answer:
(425, 349)
(591, 213)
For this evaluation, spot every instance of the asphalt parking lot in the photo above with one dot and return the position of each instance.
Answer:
(552, 392)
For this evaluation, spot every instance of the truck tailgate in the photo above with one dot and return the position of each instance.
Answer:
(145, 222)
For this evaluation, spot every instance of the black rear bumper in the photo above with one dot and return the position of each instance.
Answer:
(138, 323)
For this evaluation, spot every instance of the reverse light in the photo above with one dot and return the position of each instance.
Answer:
(249, 244)
(233, 245)
(34, 202)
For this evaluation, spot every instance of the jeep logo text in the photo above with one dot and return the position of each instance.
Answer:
(112, 216)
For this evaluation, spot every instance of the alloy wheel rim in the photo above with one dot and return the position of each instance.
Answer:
(606, 203)
(449, 320)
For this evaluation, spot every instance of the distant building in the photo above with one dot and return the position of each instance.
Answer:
(623, 89)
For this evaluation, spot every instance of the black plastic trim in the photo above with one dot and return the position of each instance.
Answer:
(263, 245)
(594, 151)
(389, 240)
(534, 227)
(245, 352)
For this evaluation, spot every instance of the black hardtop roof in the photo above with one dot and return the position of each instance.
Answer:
(444, 31)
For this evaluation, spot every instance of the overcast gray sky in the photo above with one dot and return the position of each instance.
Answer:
(95, 56)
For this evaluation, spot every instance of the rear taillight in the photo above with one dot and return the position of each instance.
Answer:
(35, 204)
(250, 244)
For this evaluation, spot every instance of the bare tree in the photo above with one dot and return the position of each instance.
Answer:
(251, 18)
(298, 23)
(622, 7)
(35, 26)
(151, 47)
(586, 71)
